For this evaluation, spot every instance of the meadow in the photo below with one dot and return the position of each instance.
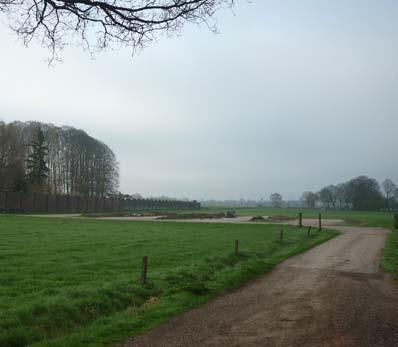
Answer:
(75, 282)
(363, 218)
(389, 260)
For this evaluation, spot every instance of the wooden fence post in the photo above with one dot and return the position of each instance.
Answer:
(320, 222)
(144, 269)
(236, 247)
(309, 232)
(281, 236)
(300, 219)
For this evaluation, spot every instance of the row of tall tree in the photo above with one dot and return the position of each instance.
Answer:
(40, 157)
(360, 193)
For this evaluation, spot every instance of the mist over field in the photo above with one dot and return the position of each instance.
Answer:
(288, 97)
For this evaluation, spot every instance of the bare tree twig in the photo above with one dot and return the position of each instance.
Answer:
(100, 24)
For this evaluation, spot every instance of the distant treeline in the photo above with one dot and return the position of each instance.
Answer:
(43, 158)
(230, 203)
(360, 193)
(243, 203)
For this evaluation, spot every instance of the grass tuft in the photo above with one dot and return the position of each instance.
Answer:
(389, 261)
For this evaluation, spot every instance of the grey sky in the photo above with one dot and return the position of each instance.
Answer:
(290, 96)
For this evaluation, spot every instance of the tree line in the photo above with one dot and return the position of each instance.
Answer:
(43, 158)
(360, 193)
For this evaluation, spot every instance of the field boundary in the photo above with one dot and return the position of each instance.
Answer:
(19, 202)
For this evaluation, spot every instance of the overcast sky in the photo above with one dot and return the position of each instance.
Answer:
(289, 96)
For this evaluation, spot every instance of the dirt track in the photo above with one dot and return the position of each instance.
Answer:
(237, 220)
(332, 295)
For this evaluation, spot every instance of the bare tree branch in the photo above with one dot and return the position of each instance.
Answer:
(102, 24)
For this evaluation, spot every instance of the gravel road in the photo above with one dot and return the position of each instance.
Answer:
(237, 220)
(332, 295)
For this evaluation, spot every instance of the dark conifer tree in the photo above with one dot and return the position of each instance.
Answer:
(36, 163)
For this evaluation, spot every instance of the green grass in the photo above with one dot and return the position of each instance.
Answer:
(364, 218)
(389, 260)
(74, 282)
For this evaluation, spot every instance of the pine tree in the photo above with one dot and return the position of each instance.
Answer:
(36, 163)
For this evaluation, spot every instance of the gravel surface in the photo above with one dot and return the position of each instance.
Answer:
(332, 295)
(241, 219)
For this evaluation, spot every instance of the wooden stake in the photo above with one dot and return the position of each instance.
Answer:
(300, 219)
(320, 222)
(236, 247)
(144, 269)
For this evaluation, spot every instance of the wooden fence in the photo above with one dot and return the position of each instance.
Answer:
(51, 203)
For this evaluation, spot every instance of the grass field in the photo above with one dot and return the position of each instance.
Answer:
(389, 261)
(365, 218)
(74, 282)
(390, 256)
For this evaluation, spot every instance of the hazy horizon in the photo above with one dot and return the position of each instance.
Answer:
(288, 97)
